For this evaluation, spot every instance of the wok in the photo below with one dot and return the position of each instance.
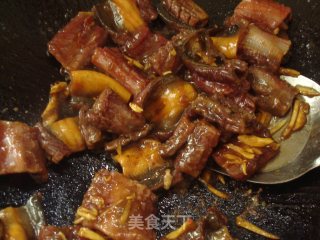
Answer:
(292, 210)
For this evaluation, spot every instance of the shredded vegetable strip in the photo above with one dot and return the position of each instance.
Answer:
(214, 190)
(89, 234)
(288, 130)
(189, 225)
(307, 91)
(86, 83)
(289, 72)
(221, 179)
(255, 141)
(241, 222)
(278, 126)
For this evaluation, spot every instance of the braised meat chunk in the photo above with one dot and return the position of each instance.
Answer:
(125, 139)
(214, 110)
(266, 14)
(180, 136)
(164, 60)
(111, 114)
(55, 149)
(273, 94)
(246, 155)
(211, 87)
(92, 134)
(143, 43)
(110, 204)
(187, 11)
(192, 159)
(19, 150)
(147, 11)
(113, 63)
(73, 45)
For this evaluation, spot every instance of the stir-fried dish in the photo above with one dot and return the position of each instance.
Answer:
(167, 103)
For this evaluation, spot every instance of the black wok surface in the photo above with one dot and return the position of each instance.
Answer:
(291, 211)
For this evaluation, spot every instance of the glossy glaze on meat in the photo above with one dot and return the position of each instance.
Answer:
(216, 112)
(180, 136)
(111, 114)
(211, 87)
(241, 161)
(20, 151)
(193, 158)
(266, 14)
(273, 94)
(126, 139)
(54, 148)
(148, 12)
(143, 43)
(164, 60)
(113, 63)
(109, 195)
(74, 45)
(187, 11)
(91, 133)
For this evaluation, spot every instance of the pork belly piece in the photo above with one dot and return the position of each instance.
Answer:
(165, 59)
(260, 48)
(91, 133)
(245, 156)
(126, 139)
(230, 72)
(20, 151)
(266, 14)
(221, 74)
(54, 148)
(234, 96)
(180, 136)
(73, 45)
(109, 114)
(187, 11)
(143, 43)
(111, 204)
(153, 49)
(273, 94)
(193, 158)
(60, 233)
(211, 87)
(147, 11)
(113, 63)
(216, 111)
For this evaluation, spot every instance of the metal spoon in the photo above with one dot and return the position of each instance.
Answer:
(301, 152)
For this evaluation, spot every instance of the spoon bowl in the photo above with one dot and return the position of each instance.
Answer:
(301, 152)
